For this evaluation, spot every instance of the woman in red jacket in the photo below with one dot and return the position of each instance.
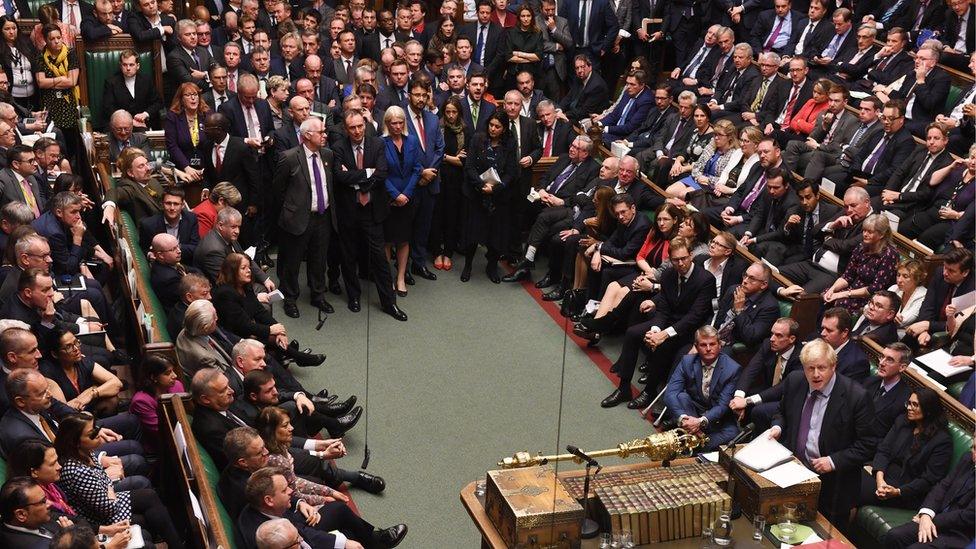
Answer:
(803, 122)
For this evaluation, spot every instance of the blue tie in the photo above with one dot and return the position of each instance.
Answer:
(623, 115)
(8, 6)
(320, 189)
(480, 46)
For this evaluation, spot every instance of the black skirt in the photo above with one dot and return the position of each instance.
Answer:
(398, 227)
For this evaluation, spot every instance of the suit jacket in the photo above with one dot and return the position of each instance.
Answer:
(903, 175)
(952, 31)
(626, 240)
(706, 67)
(817, 39)
(882, 335)
(889, 406)
(15, 427)
(929, 98)
(92, 29)
(777, 98)
(734, 87)
(771, 214)
(687, 311)
(757, 377)
(235, 111)
(586, 171)
(87, 9)
(853, 363)
(195, 355)
(582, 101)
(211, 252)
(952, 499)
(209, 428)
(188, 232)
(28, 540)
(67, 255)
(767, 21)
(433, 154)
(484, 111)
(210, 100)
(602, 27)
(846, 436)
(139, 201)
(239, 166)
(179, 142)
(645, 134)
(932, 306)
(136, 139)
(899, 65)
(13, 192)
(932, 18)
(352, 179)
(293, 183)
(560, 36)
(562, 137)
(844, 129)
(755, 177)
(899, 146)
(617, 126)
(681, 138)
(179, 65)
(854, 69)
(165, 281)
(752, 325)
(143, 31)
(687, 379)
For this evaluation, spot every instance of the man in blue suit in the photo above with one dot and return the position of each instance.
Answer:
(424, 124)
(250, 116)
(700, 388)
(593, 25)
(630, 112)
(474, 108)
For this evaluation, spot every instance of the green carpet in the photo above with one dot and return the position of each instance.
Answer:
(475, 374)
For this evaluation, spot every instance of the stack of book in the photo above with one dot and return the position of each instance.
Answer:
(663, 509)
(714, 471)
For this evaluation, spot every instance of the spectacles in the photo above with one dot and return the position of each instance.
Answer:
(42, 501)
(716, 243)
(909, 405)
(94, 432)
(73, 345)
(682, 259)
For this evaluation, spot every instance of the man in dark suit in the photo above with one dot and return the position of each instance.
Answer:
(187, 62)
(760, 388)
(920, 15)
(121, 136)
(221, 241)
(132, 91)
(474, 109)
(909, 188)
(588, 93)
(853, 63)
(840, 46)
(747, 311)
(778, 29)
(744, 204)
(398, 91)
(657, 117)
(593, 26)
(746, 109)
(832, 130)
(698, 68)
(218, 94)
(735, 83)
(954, 279)
(925, 91)
(228, 158)
(485, 35)
(288, 136)
(553, 211)
(630, 112)
(946, 516)
(174, 220)
(363, 204)
(250, 116)
(890, 63)
(675, 134)
(785, 98)
(682, 21)
(28, 522)
(383, 38)
(167, 271)
(835, 329)
(326, 88)
(816, 32)
(959, 38)
(621, 246)
(700, 388)
(684, 303)
(555, 134)
(887, 390)
(825, 419)
(775, 206)
(842, 151)
(303, 178)
(103, 24)
(794, 240)
(18, 181)
(528, 149)
(961, 117)
(424, 124)
(147, 24)
(877, 323)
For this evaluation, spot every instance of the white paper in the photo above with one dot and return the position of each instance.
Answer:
(963, 302)
(859, 94)
(369, 172)
(136, 541)
(938, 361)
(155, 133)
(762, 454)
(619, 149)
(788, 474)
(829, 261)
(892, 221)
(197, 510)
(250, 252)
(924, 373)
(711, 456)
(275, 296)
(827, 185)
(180, 439)
(491, 176)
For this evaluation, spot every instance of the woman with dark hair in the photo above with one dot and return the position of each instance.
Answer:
(485, 195)
(73, 183)
(183, 127)
(17, 57)
(446, 35)
(86, 384)
(90, 490)
(521, 44)
(699, 144)
(694, 229)
(446, 224)
(158, 377)
(242, 312)
(598, 227)
(913, 457)
(56, 74)
(38, 460)
(274, 426)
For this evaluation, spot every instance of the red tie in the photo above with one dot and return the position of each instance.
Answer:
(547, 148)
(420, 130)
(789, 106)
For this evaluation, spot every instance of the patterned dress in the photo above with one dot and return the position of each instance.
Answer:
(87, 488)
(876, 271)
(312, 492)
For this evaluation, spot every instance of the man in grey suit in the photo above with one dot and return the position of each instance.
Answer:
(187, 62)
(221, 241)
(304, 181)
(345, 65)
(18, 180)
(834, 127)
(556, 41)
(842, 150)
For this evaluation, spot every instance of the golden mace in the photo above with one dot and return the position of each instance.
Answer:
(657, 447)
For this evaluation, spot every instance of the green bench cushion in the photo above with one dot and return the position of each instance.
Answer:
(142, 264)
(961, 441)
(100, 66)
(876, 521)
(213, 476)
(954, 93)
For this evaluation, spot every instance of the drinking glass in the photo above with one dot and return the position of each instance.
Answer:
(759, 526)
(626, 539)
(605, 540)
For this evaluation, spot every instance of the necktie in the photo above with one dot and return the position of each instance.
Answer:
(125, 145)
(479, 48)
(348, 70)
(754, 193)
(196, 59)
(232, 82)
(361, 196)
(920, 14)
(547, 147)
(584, 23)
(220, 101)
(8, 8)
(623, 115)
(46, 427)
(913, 183)
(873, 161)
(831, 50)
(72, 18)
(515, 135)
(775, 34)
(719, 67)
(800, 449)
(891, 11)
(319, 187)
(880, 393)
(833, 126)
(727, 93)
(707, 372)
(681, 284)
(695, 62)
(778, 370)
(561, 178)
(808, 236)
(725, 330)
(218, 159)
(181, 269)
(274, 20)
(857, 136)
(802, 42)
(253, 126)
(474, 113)
(403, 95)
(945, 303)
(759, 96)
(421, 133)
(674, 137)
(235, 419)
(884, 62)
(386, 42)
(788, 111)
(29, 197)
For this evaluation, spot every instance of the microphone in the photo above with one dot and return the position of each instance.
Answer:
(580, 454)
(745, 432)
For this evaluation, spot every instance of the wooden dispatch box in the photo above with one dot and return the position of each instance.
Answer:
(532, 510)
(756, 495)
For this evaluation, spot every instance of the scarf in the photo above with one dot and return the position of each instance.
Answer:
(458, 130)
(59, 67)
(56, 499)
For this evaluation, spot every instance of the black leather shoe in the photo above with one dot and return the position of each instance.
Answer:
(615, 398)
(642, 401)
(371, 483)
(423, 272)
(556, 294)
(291, 309)
(340, 408)
(642, 379)
(395, 312)
(594, 341)
(408, 278)
(306, 360)
(491, 270)
(544, 282)
(643, 367)
(335, 288)
(324, 305)
(581, 330)
(354, 305)
(324, 393)
(520, 274)
(349, 420)
(466, 272)
(392, 536)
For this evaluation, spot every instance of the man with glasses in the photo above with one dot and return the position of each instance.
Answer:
(755, 96)
(27, 518)
(205, 40)
(167, 270)
(878, 321)
(19, 179)
(925, 90)
(855, 62)
(122, 137)
(658, 117)
(187, 62)
(747, 311)
(423, 123)
(876, 157)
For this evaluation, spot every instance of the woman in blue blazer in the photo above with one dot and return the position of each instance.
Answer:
(185, 147)
(403, 159)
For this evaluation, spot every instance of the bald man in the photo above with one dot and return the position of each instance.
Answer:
(167, 269)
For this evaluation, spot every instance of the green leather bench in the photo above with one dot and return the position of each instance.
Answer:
(213, 476)
(100, 66)
(153, 307)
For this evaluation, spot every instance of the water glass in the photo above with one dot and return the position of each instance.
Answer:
(626, 539)
(759, 527)
(605, 540)
(617, 543)
(706, 537)
(479, 489)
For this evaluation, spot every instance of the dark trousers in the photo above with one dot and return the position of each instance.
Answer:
(809, 275)
(659, 360)
(926, 226)
(364, 229)
(148, 510)
(562, 258)
(446, 224)
(312, 244)
(597, 282)
(424, 202)
(549, 221)
(336, 515)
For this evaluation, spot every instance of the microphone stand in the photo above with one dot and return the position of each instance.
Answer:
(590, 528)
(736, 511)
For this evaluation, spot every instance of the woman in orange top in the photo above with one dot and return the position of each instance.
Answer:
(803, 122)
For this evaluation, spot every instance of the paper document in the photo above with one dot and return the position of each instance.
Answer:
(135, 541)
(788, 474)
(829, 261)
(772, 267)
(859, 94)
(491, 176)
(762, 454)
(893, 221)
(619, 149)
(711, 456)
(275, 296)
(250, 252)
(963, 302)
(828, 185)
(938, 361)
